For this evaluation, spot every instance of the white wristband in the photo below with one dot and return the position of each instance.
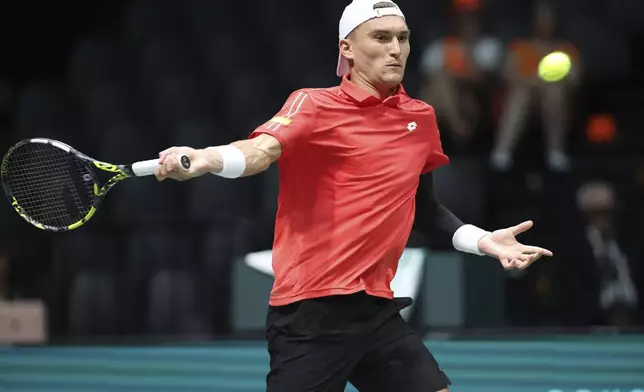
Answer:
(466, 239)
(233, 161)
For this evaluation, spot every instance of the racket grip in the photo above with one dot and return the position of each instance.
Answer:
(148, 168)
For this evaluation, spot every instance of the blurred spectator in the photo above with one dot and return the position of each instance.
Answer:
(611, 285)
(455, 70)
(526, 89)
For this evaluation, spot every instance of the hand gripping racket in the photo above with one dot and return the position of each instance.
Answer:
(56, 188)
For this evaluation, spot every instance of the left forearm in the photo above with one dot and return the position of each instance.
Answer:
(439, 225)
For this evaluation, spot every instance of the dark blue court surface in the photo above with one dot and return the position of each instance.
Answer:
(545, 365)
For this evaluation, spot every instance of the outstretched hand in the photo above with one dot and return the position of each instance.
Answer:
(503, 245)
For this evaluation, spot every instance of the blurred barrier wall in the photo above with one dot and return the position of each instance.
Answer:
(22, 322)
(450, 289)
(565, 364)
(253, 280)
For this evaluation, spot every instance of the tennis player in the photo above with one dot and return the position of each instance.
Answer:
(351, 159)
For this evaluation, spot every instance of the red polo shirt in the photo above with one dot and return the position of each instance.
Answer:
(349, 171)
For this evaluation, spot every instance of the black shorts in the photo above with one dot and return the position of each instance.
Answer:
(320, 344)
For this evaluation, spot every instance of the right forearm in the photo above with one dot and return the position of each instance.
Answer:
(257, 153)
(214, 160)
(255, 161)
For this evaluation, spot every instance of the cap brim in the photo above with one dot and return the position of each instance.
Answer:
(343, 66)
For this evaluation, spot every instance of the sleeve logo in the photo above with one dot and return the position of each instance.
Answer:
(295, 106)
(280, 120)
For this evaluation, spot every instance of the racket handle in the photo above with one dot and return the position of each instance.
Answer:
(148, 168)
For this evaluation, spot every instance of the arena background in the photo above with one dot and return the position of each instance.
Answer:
(157, 292)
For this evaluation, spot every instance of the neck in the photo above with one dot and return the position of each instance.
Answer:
(361, 81)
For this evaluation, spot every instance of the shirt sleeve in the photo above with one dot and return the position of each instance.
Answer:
(435, 155)
(433, 219)
(293, 125)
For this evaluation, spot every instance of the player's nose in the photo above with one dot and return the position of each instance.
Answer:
(394, 48)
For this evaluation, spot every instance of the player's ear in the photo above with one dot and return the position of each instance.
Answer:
(345, 49)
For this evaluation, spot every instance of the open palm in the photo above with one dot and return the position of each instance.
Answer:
(503, 245)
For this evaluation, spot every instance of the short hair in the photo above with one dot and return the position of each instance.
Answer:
(384, 4)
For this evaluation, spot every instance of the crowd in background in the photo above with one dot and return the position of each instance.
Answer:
(464, 74)
(138, 76)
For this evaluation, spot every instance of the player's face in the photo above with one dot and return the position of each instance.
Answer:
(379, 49)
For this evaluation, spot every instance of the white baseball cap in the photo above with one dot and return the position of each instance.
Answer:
(358, 12)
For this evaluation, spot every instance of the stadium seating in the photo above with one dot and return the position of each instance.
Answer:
(92, 307)
(172, 306)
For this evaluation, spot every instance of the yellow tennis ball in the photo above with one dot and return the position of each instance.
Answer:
(554, 67)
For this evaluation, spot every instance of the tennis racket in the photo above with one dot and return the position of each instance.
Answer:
(56, 188)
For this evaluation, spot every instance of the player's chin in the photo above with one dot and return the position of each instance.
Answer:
(393, 76)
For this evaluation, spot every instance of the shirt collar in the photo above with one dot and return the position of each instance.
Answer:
(361, 96)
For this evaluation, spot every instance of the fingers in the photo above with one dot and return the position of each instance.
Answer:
(539, 251)
(522, 256)
(536, 250)
(523, 264)
(521, 227)
(163, 154)
(171, 163)
(162, 172)
(508, 263)
(522, 261)
(168, 166)
(532, 259)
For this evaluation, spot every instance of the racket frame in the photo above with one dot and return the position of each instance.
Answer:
(118, 174)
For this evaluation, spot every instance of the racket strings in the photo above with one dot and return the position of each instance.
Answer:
(58, 178)
(38, 196)
(41, 177)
